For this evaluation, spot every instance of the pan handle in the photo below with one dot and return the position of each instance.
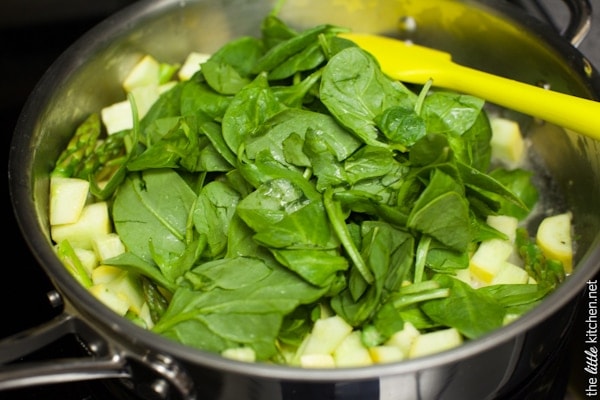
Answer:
(580, 21)
(155, 375)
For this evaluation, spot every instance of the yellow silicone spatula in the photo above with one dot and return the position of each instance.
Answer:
(417, 64)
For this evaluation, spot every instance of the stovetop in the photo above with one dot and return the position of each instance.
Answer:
(32, 36)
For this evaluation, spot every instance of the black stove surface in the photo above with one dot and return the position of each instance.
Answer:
(32, 38)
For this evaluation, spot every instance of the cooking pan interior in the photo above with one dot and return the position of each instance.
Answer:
(87, 78)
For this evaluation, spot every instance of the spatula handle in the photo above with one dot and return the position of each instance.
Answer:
(571, 112)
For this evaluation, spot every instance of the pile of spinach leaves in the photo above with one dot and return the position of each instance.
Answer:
(291, 173)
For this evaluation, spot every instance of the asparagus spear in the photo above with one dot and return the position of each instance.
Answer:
(543, 270)
(79, 148)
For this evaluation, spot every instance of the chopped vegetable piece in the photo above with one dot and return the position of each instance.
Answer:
(282, 200)
(555, 239)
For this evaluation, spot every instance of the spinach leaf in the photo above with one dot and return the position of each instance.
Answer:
(250, 107)
(450, 113)
(298, 94)
(197, 96)
(294, 229)
(484, 187)
(387, 252)
(401, 125)
(131, 262)
(212, 213)
(442, 212)
(274, 31)
(317, 266)
(167, 105)
(355, 92)
(229, 69)
(294, 54)
(519, 182)
(275, 130)
(151, 211)
(516, 294)
(440, 258)
(245, 313)
(308, 59)
(473, 313)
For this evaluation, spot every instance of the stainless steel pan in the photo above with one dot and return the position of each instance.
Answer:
(489, 35)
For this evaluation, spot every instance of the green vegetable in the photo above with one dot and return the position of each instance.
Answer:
(547, 273)
(290, 174)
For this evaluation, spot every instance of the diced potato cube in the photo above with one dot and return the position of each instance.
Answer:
(93, 222)
(351, 352)
(67, 199)
(435, 342)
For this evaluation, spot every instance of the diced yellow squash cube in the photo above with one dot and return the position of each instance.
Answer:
(404, 338)
(435, 342)
(94, 221)
(110, 299)
(108, 246)
(117, 117)
(146, 317)
(509, 318)
(488, 258)
(507, 141)
(67, 199)
(464, 275)
(326, 335)
(294, 359)
(510, 274)
(386, 354)
(145, 97)
(191, 65)
(88, 259)
(165, 87)
(104, 274)
(145, 72)
(128, 287)
(246, 354)
(505, 224)
(351, 352)
(317, 361)
(555, 239)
